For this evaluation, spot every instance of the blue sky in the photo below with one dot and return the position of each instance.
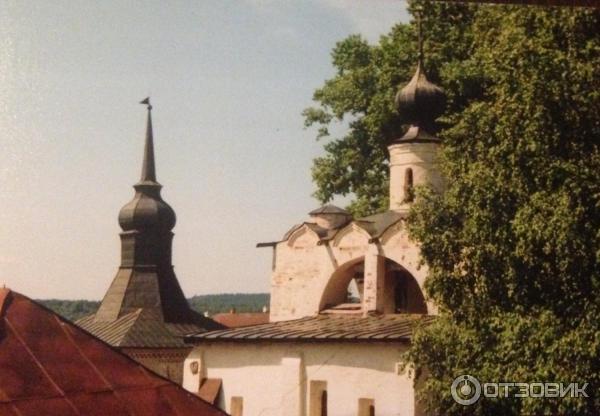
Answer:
(228, 81)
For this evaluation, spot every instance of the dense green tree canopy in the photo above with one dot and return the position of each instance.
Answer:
(513, 245)
(361, 96)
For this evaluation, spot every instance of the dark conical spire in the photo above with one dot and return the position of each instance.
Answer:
(147, 210)
(145, 298)
(148, 166)
(420, 102)
(146, 278)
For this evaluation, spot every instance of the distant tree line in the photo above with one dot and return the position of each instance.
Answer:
(71, 309)
(241, 302)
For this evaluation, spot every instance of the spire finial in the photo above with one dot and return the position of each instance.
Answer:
(148, 167)
(147, 102)
(419, 16)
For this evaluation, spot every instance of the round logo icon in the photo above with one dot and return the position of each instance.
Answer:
(465, 390)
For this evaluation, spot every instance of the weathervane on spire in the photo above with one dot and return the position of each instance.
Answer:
(147, 102)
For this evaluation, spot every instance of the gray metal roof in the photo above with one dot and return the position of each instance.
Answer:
(329, 209)
(145, 329)
(323, 328)
(375, 225)
(378, 224)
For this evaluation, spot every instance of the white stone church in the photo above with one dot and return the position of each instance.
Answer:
(346, 294)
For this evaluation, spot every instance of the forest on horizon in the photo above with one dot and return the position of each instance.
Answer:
(213, 304)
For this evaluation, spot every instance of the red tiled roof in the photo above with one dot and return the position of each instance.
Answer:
(237, 320)
(50, 367)
(324, 328)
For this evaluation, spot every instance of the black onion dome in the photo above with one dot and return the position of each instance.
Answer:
(147, 212)
(420, 102)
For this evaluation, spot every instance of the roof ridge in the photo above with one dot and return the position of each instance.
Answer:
(5, 299)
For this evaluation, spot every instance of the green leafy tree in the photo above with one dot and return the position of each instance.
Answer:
(513, 244)
(361, 96)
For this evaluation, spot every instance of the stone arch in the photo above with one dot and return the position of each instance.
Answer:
(336, 289)
(302, 237)
(401, 291)
(351, 234)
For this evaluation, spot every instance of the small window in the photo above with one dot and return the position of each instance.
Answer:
(237, 406)
(409, 193)
(318, 398)
(366, 407)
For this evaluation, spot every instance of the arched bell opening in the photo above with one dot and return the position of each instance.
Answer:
(402, 293)
(345, 286)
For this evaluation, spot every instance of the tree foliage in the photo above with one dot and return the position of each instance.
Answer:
(361, 96)
(513, 244)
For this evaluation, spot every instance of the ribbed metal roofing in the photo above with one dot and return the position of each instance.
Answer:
(375, 225)
(329, 209)
(323, 328)
(145, 329)
(50, 367)
(236, 320)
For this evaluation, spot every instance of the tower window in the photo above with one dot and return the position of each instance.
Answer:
(409, 193)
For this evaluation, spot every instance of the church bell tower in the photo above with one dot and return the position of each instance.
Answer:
(144, 312)
(413, 157)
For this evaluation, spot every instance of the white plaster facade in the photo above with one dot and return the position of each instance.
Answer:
(313, 268)
(421, 159)
(306, 277)
(274, 379)
(306, 267)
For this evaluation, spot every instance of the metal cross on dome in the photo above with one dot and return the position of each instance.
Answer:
(419, 16)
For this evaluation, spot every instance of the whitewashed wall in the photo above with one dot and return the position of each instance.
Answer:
(274, 378)
(303, 268)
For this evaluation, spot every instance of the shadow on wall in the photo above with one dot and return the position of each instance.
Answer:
(355, 354)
